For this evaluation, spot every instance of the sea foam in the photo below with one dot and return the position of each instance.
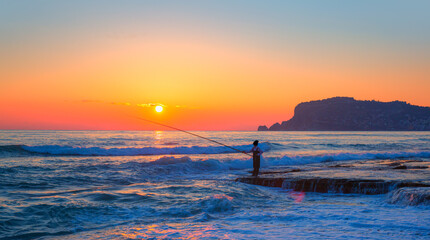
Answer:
(128, 151)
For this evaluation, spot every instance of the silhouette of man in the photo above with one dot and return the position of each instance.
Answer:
(256, 153)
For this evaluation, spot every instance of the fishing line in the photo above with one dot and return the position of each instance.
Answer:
(196, 135)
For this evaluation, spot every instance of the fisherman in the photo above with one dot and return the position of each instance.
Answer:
(256, 153)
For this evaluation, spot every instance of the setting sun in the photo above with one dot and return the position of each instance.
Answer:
(158, 108)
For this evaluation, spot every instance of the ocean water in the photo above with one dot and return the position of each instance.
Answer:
(171, 185)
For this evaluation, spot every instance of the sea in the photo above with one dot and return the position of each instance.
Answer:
(173, 185)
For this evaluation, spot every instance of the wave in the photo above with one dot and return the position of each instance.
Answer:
(130, 151)
(307, 159)
(136, 171)
(165, 166)
(236, 164)
(410, 196)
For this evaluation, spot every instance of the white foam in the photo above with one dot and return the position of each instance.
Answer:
(410, 196)
(307, 159)
(174, 165)
(135, 151)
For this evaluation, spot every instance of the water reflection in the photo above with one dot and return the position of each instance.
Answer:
(170, 231)
(158, 136)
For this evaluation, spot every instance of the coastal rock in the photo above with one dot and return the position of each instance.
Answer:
(275, 127)
(348, 114)
(333, 185)
(361, 177)
(263, 128)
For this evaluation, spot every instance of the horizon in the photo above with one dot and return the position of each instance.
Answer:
(212, 66)
(168, 129)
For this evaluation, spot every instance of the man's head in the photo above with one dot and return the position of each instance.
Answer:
(255, 143)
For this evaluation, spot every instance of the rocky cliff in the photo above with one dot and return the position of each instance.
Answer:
(348, 114)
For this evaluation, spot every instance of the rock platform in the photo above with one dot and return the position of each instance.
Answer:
(360, 177)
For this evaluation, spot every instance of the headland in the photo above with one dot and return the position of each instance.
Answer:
(348, 114)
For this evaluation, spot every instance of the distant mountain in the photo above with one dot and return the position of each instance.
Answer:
(348, 114)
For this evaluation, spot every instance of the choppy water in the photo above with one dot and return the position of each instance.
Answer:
(138, 185)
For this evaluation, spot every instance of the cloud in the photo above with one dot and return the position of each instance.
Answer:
(150, 105)
(121, 103)
(111, 103)
(185, 107)
(143, 105)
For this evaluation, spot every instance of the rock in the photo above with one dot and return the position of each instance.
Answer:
(275, 127)
(418, 167)
(362, 177)
(331, 185)
(263, 128)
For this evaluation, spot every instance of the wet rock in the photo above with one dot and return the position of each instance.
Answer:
(340, 166)
(394, 164)
(360, 177)
(278, 172)
(369, 187)
(417, 167)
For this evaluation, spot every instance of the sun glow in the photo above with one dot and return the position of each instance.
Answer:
(158, 108)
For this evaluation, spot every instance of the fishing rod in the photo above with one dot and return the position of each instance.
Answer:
(196, 135)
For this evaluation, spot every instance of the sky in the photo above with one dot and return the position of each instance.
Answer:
(212, 65)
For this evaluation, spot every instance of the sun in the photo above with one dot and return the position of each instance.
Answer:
(159, 108)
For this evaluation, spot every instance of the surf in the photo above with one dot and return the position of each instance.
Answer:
(124, 151)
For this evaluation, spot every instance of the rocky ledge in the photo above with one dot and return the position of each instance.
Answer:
(360, 177)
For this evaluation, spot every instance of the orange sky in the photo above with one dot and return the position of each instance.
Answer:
(209, 76)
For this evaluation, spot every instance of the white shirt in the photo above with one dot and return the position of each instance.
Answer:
(257, 149)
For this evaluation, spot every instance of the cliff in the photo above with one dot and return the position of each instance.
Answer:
(348, 114)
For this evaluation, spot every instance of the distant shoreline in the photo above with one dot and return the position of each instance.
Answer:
(348, 114)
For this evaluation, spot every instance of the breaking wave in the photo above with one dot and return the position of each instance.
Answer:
(129, 151)
(306, 159)
(179, 165)
(410, 196)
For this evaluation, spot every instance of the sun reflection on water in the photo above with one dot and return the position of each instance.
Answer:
(169, 231)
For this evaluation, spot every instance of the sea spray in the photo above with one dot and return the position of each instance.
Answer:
(125, 151)
(410, 196)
